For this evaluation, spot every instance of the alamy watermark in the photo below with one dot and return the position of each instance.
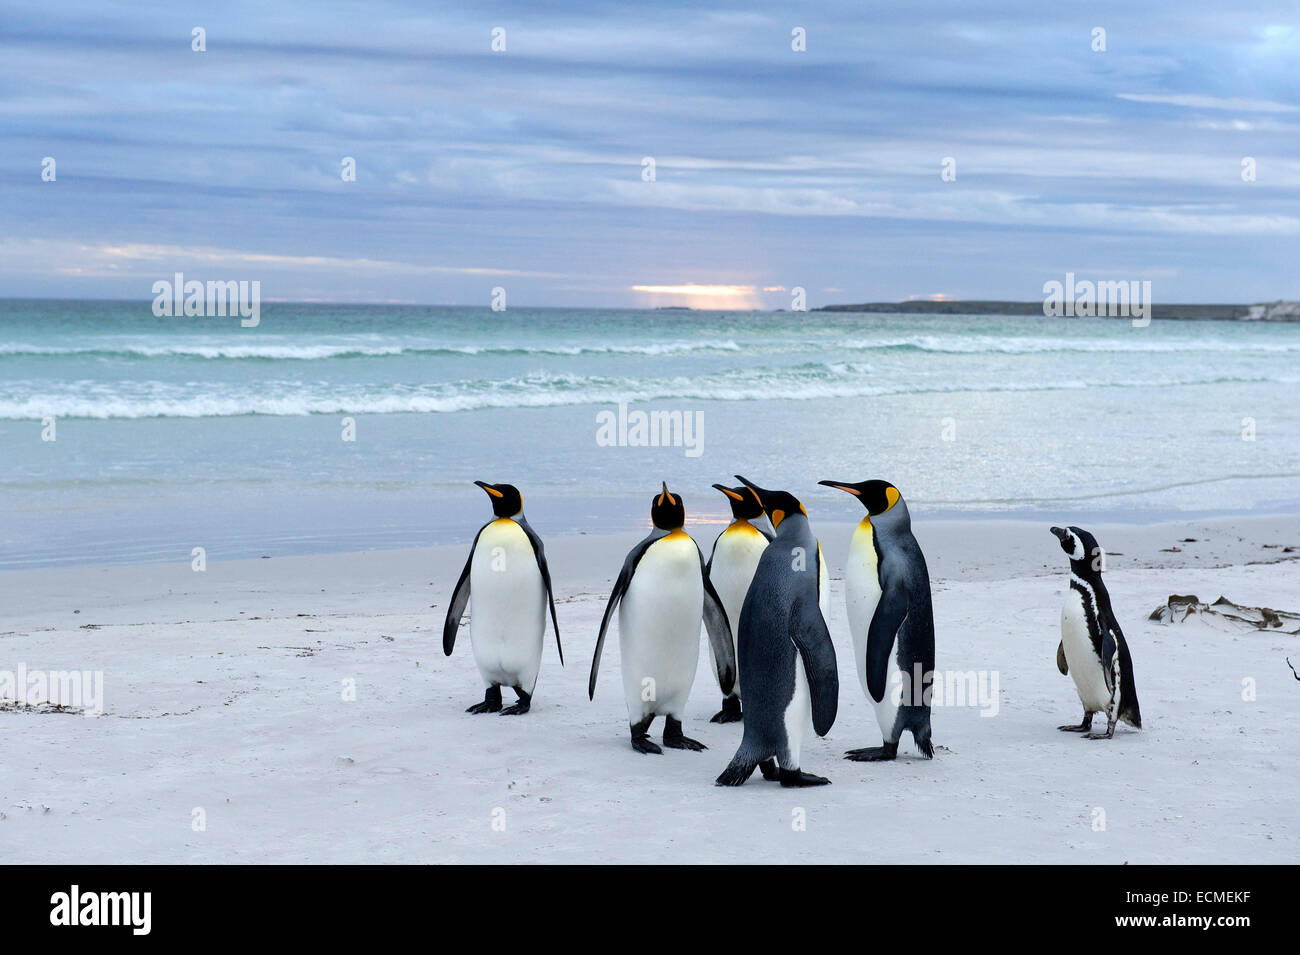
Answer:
(1087, 299)
(945, 688)
(73, 689)
(651, 429)
(128, 909)
(208, 300)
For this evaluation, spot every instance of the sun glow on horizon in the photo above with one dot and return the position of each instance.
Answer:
(702, 296)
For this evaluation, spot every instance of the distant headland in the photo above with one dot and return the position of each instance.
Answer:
(1265, 312)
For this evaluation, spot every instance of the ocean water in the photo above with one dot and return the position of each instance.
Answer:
(174, 433)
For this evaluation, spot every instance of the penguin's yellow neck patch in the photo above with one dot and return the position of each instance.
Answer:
(676, 535)
(777, 517)
(742, 526)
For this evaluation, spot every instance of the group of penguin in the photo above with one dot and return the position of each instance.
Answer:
(762, 597)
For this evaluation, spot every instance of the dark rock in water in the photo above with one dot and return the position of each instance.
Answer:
(1181, 606)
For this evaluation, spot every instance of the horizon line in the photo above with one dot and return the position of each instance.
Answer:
(374, 303)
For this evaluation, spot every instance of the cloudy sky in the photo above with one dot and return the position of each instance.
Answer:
(773, 168)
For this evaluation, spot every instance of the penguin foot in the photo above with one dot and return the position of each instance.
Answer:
(1109, 734)
(793, 778)
(737, 771)
(768, 768)
(1083, 727)
(873, 754)
(730, 712)
(644, 744)
(520, 708)
(674, 739)
(491, 702)
(641, 741)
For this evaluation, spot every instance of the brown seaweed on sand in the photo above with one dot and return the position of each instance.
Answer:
(1179, 607)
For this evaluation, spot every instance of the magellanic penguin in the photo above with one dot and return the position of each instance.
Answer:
(511, 583)
(786, 654)
(1093, 649)
(731, 567)
(662, 594)
(887, 594)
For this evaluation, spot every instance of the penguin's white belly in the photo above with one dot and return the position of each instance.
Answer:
(735, 558)
(823, 586)
(507, 606)
(798, 714)
(659, 623)
(862, 595)
(1085, 667)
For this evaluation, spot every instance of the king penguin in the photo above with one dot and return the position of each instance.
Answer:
(1093, 649)
(662, 594)
(507, 573)
(731, 567)
(786, 654)
(887, 594)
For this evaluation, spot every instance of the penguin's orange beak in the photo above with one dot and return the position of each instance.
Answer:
(842, 486)
(729, 492)
(489, 488)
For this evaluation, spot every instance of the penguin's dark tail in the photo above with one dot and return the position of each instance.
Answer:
(917, 719)
(740, 768)
(1130, 713)
(923, 743)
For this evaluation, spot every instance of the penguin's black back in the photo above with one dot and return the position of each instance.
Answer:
(1129, 709)
(765, 649)
(916, 635)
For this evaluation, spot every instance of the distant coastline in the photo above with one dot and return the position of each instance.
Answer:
(1264, 312)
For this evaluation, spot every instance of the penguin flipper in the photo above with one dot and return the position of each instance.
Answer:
(890, 613)
(719, 630)
(1108, 651)
(708, 567)
(540, 551)
(459, 600)
(1116, 656)
(620, 588)
(1060, 659)
(1128, 709)
(812, 638)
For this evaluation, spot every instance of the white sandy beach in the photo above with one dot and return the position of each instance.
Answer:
(223, 691)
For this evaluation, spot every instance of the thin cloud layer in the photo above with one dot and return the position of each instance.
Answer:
(610, 150)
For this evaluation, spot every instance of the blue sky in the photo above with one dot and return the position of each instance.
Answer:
(773, 168)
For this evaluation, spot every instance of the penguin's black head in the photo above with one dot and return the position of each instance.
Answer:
(506, 501)
(778, 504)
(745, 505)
(876, 496)
(667, 512)
(1084, 551)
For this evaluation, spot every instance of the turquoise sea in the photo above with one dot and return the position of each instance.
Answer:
(172, 433)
